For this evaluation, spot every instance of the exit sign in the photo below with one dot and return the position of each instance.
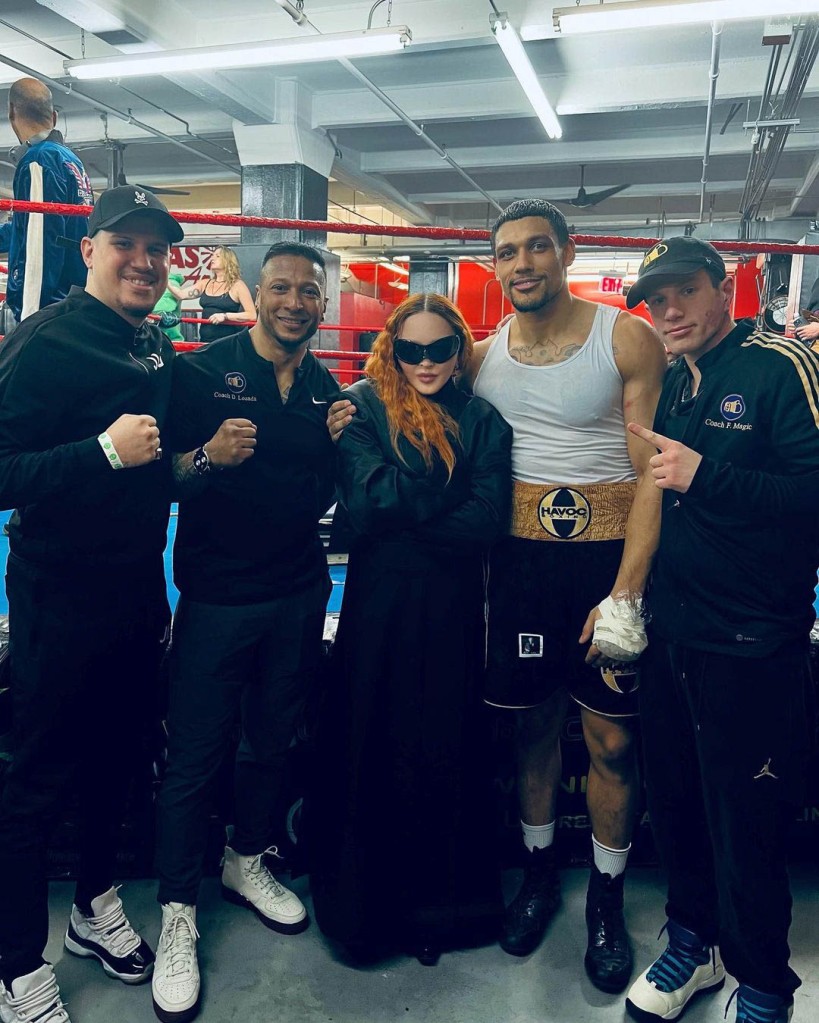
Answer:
(611, 284)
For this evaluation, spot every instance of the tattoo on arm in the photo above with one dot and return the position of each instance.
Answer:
(187, 480)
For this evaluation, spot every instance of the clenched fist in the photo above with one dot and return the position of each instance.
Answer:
(136, 439)
(232, 444)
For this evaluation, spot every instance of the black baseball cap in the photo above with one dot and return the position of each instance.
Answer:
(117, 203)
(675, 257)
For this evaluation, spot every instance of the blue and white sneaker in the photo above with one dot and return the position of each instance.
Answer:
(756, 1007)
(686, 968)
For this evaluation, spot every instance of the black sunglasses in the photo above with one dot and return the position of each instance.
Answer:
(439, 351)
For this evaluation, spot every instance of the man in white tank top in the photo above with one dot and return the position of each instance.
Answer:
(568, 375)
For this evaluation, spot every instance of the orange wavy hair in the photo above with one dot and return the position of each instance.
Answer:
(425, 424)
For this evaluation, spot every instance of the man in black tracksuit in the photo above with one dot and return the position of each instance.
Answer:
(84, 392)
(725, 695)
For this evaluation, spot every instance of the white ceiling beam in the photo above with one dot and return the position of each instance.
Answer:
(586, 92)
(659, 190)
(431, 21)
(624, 150)
(804, 186)
(348, 171)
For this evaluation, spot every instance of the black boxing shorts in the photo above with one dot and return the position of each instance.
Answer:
(539, 596)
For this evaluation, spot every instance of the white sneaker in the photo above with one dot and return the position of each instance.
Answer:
(176, 986)
(686, 968)
(246, 881)
(33, 998)
(109, 937)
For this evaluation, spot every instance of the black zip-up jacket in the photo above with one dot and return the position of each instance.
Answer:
(66, 374)
(736, 567)
(387, 496)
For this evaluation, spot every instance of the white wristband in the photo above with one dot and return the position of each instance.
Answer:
(110, 451)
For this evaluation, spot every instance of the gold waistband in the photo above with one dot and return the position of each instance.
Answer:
(571, 511)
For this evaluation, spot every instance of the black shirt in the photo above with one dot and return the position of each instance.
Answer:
(66, 374)
(252, 534)
(736, 567)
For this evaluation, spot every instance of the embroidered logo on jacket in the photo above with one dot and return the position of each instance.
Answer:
(732, 407)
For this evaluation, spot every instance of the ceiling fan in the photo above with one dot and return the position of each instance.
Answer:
(584, 198)
(156, 189)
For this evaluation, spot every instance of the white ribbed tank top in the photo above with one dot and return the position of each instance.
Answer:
(567, 418)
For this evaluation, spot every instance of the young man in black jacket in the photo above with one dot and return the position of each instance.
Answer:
(725, 695)
(84, 391)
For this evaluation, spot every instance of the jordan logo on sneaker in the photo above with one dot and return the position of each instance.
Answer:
(766, 771)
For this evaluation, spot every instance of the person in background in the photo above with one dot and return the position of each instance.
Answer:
(44, 256)
(809, 332)
(169, 305)
(85, 387)
(399, 828)
(224, 297)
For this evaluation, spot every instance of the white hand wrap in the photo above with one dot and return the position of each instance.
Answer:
(620, 633)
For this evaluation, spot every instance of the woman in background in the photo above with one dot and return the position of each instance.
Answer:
(400, 819)
(224, 297)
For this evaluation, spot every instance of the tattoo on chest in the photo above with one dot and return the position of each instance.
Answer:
(285, 393)
(544, 354)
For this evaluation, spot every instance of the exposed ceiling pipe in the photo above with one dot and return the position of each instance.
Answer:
(781, 105)
(713, 75)
(301, 19)
(104, 108)
(804, 188)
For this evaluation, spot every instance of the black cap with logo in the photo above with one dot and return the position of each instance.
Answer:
(117, 203)
(675, 257)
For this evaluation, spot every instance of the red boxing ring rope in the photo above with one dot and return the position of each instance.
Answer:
(440, 233)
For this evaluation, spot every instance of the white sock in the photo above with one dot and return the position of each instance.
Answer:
(609, 861)
(538, 836)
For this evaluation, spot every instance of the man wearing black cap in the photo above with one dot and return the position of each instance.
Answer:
(725, 694)
(84, 391)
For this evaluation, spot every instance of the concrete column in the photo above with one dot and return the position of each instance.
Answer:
(430, 273)
(288, 190)
(285, 171)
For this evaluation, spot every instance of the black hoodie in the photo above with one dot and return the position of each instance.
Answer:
(66, 374)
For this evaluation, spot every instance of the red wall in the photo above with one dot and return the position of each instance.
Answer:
(748, 281)
(363, 313)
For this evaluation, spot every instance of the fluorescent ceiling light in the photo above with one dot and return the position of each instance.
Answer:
(514, 52)
(635, 14)
(294, 50)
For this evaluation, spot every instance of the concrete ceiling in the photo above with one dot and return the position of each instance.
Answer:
(632, 107)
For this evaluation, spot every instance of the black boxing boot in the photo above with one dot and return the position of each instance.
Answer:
(529, 913)
(608, 959)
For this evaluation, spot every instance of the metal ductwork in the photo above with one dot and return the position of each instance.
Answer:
(777, 114)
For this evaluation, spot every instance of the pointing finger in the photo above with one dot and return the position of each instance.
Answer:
(657, 439)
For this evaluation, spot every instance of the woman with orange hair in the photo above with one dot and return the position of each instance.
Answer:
(398, 824)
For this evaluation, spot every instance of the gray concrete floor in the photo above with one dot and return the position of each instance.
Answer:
(253, 975)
